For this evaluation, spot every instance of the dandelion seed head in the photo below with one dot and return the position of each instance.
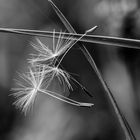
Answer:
(47, 53)
(28, 87)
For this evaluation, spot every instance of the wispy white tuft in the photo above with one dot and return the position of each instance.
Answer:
(37, 80)
(45, 53)
(28, 87)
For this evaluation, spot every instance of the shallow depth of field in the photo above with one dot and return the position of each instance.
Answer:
(51, 119)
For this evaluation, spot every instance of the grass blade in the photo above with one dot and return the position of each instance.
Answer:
(127, 130)
(105, 40)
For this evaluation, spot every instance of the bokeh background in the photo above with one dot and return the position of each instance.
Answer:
(51, 119)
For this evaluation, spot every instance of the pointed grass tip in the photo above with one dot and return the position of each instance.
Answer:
(86, 104)
(91, 29)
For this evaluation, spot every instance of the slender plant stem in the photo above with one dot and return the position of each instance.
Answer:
(123, 122)
(105, 40)
(125, 125)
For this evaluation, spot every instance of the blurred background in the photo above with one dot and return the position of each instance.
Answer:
(51, 119)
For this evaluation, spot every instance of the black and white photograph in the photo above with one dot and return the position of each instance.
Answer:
(69, 70)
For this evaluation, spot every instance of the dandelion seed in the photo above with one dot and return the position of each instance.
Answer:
(59, 47)
(36, 81)
(47, 54)
(28, 88)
